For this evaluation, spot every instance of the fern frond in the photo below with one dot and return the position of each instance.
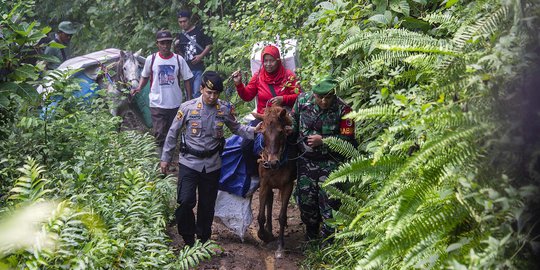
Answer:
(381, 113)
(342, 147)
(190, 257)
(484, 26)
(354, 171)
(351, 75)
(394, 39)
(29, 187)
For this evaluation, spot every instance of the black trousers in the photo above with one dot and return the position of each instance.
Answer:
(206, 183)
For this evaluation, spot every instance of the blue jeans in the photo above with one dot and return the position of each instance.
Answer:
(196, 82)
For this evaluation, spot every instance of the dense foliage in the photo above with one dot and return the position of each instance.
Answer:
(443, 93)
(74, 192)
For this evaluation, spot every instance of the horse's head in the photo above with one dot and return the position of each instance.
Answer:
(274, 121)
(129, 68)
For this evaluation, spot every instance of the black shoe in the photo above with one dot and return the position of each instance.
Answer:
(312, 232)
(189, 240)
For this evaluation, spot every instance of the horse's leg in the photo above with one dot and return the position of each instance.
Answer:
(263, 194)
(285, 195)
(269, 204)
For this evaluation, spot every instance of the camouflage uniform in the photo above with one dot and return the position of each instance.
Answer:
(315, 164)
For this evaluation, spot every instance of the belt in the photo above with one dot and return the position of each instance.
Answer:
(204, 153)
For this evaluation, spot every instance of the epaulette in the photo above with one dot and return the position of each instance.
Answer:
(188, 103)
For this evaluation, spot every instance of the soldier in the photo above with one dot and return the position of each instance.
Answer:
(200, 122)
(317, 115)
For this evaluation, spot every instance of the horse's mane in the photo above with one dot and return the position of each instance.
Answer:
(274, 112)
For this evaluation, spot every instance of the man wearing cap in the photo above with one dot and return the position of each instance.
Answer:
(165, 70)
(194, 45)
(66, 29)
(318, 115)
(200, 123)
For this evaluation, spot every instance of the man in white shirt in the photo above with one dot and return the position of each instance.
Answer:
(165, 70)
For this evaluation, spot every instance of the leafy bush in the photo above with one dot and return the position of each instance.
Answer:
(97, 199)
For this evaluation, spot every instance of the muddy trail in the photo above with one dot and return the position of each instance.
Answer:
(248, 253)
(252, 253)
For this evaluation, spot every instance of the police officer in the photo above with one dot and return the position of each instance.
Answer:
(318, 115)
(200, 123)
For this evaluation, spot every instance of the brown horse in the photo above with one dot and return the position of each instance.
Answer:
(275, 172)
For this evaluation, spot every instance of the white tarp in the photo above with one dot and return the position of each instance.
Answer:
(234, 211)
(287, 49)
(100, 57)
(91, 59)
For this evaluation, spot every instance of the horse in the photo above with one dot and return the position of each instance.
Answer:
(275, 172)
(128, 73)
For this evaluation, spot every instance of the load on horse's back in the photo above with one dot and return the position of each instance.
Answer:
(116, 71)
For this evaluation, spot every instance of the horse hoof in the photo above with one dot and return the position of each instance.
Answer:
(265, 236)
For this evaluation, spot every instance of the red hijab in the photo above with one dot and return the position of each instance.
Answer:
(279, 75)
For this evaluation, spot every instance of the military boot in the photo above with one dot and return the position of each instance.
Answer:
(312, 232)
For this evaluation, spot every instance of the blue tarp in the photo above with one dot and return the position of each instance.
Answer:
(235, 178)
(88, 86)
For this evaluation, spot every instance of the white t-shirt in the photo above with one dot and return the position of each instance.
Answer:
(165, 90)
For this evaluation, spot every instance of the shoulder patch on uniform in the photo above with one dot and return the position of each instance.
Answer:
(346, 126)
(179, 114)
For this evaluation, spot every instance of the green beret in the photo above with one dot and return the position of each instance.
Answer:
(325, 86)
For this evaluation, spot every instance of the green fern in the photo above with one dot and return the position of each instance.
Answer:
(385, 112)
(190, 257)
(29, 187)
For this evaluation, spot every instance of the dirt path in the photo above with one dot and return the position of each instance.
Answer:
(252, 253)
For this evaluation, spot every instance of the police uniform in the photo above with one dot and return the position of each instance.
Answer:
(200, 127)
(315, 164)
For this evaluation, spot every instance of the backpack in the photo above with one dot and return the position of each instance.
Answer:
(287, 49)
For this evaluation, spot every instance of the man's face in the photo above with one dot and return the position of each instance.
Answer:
(325, 101)
(184, 23)
(164, 46)
(209, 97)
(64, 38)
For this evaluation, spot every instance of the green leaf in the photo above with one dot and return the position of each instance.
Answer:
(400, 100)
(25, 72)
(326, 5)
(57, 45)
(384, 92)
(379, 18)
(404, 6)
(450, 3)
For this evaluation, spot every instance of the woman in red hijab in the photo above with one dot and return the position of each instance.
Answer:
(273, 84)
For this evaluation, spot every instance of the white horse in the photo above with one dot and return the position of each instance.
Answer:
(128, 73)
